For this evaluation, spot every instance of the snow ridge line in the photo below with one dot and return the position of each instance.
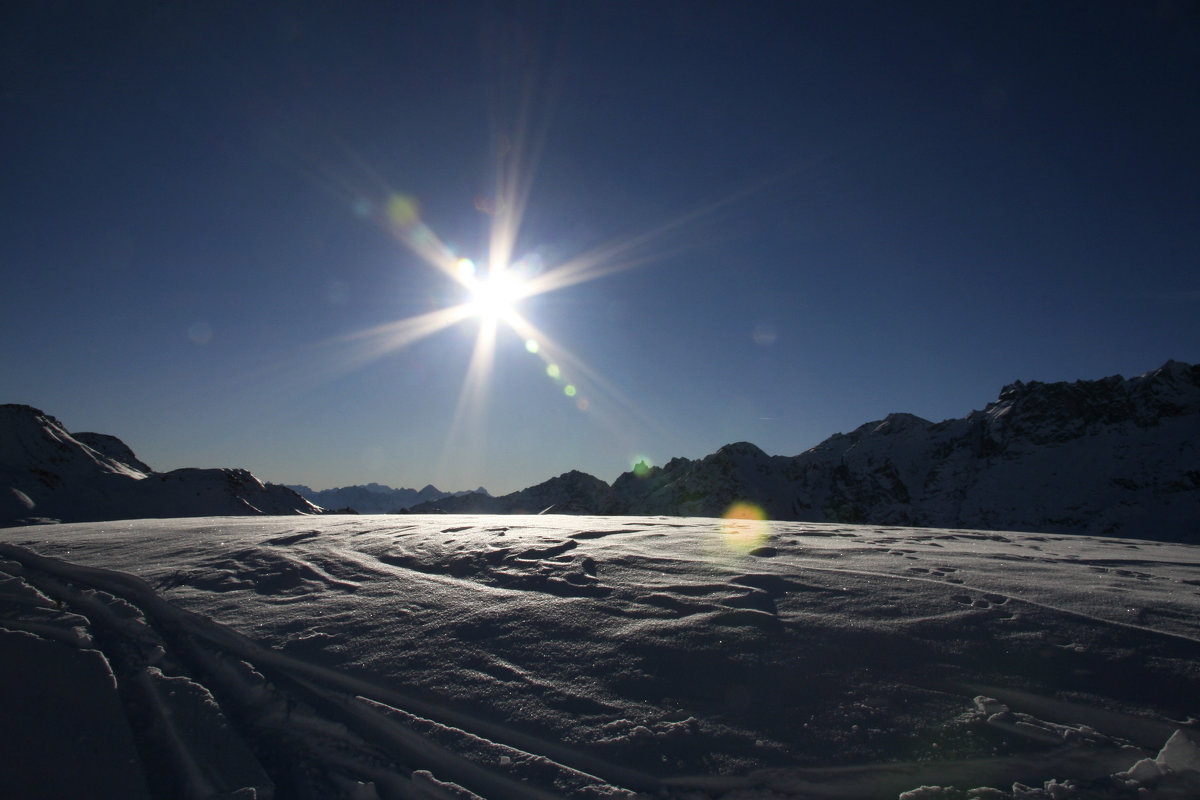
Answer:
(346, 698)
(1183, 637)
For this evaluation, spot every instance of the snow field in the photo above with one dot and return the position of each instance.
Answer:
(526, 657)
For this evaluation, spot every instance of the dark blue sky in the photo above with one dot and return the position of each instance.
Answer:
(837, 210)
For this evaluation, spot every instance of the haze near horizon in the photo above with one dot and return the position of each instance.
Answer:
(484, 244)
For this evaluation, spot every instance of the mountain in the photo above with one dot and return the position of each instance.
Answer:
(573, 492)
(375, 498)
(1113, 457)
(47, 473)
(1110, 457)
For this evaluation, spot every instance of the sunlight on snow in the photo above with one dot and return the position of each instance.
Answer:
(744, 527)
(561, 656)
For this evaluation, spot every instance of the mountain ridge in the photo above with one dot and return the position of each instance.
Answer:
(1114, 456)
(375, 498)
(48, 474)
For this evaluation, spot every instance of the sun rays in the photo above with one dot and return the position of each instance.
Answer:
(496, 297)
(492, 289)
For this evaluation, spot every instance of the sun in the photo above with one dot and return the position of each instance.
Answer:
(492, 296)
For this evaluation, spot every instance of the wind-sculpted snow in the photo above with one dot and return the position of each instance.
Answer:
(552, 656)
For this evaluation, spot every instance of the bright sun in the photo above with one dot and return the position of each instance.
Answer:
(492, 296)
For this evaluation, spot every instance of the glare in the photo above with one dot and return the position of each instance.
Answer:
(493, 292)
(744, 527)
(494, 296)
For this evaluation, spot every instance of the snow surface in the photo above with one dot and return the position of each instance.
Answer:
(594, 657)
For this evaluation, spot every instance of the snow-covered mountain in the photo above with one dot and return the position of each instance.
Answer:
(47, 473)
(1112, 456)
(375, 498)
(1107, 457)
(572, 492)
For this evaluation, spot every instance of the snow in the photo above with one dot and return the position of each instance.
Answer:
(50, 475)
(595, 657)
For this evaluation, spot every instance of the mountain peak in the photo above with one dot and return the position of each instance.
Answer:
(1108, 456)
(46, 473)
(34, 440)
(741, 449)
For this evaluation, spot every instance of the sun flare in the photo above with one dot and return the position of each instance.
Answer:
(493, 295)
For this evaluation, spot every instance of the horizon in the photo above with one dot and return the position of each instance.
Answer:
(633, 468)
(251, 238)
(642, 464)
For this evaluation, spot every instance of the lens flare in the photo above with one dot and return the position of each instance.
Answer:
(490, 292)
(403, 211)
(200, 332)
(744, 527)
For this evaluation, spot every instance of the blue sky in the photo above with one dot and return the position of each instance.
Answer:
(814, 215)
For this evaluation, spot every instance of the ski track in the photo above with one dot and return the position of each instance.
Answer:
(296, 728)
(213, 656)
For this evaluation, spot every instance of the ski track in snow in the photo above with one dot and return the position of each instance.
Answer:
(540, 657)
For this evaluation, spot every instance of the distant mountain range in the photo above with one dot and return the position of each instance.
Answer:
(375, 498)
(1113, 456)
(48, 474)
(1116, 456)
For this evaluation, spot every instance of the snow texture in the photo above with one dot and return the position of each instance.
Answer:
(594, 657)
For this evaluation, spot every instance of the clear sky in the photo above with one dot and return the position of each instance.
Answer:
(752, 221)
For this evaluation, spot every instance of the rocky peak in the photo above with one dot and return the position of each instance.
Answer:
(740, 450)
(1048, 412)
(900, 422)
